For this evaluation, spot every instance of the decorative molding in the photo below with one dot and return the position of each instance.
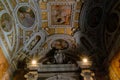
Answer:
(35, 44)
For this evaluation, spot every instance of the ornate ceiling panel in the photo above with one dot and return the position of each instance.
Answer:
(60, 16)
(19, 22)
(29, 26)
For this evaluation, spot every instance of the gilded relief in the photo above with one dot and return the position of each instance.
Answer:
(26, 16)
(61, 14)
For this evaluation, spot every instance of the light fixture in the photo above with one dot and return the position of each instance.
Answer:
(85, 60)
(34, 62)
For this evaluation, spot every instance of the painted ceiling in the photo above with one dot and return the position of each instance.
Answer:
(29, 27)
(33, 27)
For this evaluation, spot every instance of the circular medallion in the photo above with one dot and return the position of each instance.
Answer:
(6, 22)
(26, 16)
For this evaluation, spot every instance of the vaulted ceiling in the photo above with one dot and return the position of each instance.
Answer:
(31, 28)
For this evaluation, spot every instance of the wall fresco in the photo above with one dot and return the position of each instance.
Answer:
(3, 65)
(115, 68)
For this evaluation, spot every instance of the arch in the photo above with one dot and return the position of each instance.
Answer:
(69, 39)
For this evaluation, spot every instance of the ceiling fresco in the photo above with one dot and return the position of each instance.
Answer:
(30, 28)
(60, 44)
(58, 16)
(6, 22)
(26, 16)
